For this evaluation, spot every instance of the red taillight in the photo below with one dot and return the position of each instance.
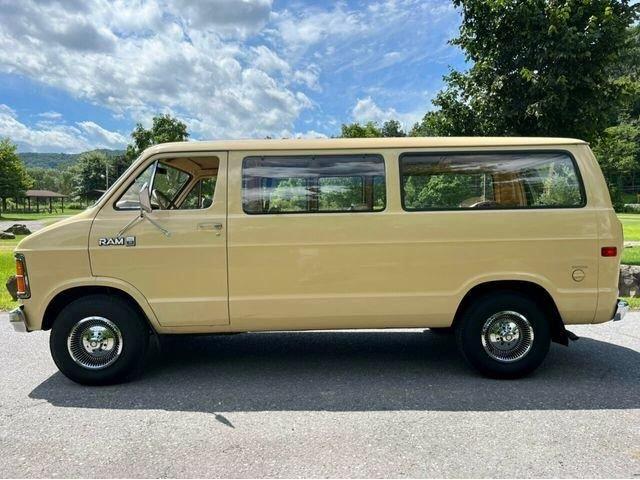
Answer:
(609, 251)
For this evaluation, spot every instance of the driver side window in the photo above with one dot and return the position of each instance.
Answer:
(130, 199)
(168, 183)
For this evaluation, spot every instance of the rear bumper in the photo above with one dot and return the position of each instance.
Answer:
(17, 320)
(622, 308)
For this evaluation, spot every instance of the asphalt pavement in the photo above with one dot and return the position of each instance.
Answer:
(326, 404)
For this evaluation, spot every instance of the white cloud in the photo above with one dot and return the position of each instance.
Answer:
(310, 77)
(310, 134)
(311, 26)
(366, 110)
(229, 17)
(50, 115)
(228, 68)
(269, 61)
(159, 63)
(102, 135)
(48, 136)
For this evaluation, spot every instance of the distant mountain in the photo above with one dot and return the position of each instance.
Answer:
(59, 160)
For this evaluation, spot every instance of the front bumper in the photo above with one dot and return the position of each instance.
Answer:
(622, 308)
(17, 320)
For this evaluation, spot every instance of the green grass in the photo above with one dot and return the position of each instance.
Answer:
(631, 256)
(630, 226)
(46, 217)
(7, 268)
(10, 244)
(634, 303)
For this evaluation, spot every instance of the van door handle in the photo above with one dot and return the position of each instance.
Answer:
(217, 227)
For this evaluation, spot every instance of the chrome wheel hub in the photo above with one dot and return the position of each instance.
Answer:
(507, 336)
(94, 343)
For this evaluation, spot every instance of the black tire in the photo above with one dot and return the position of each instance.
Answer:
(132, 335)
(521, 360)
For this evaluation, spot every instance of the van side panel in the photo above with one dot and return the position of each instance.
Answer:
(397, 268)
(610, 235)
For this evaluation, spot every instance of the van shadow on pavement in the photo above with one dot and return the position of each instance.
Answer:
(354, 371)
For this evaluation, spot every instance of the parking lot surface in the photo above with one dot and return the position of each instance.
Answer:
(346, 404)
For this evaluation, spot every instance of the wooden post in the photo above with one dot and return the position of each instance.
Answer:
(50, 205)
(29, 203)
(62, 202)
(37, 205)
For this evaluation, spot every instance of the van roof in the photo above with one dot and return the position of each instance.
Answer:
(362, 143)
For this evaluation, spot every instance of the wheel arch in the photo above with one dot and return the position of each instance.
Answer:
(531, 289)
(63, 298)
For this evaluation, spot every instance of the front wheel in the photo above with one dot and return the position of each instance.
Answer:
(99, 340)
(504, 335)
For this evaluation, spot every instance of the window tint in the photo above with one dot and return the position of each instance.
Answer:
(310, 184)
(201, 195)
(495, 180)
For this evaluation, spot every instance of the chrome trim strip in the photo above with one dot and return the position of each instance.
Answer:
(18, 320)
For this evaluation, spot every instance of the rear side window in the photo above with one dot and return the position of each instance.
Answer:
(460, 181)
(313, 184)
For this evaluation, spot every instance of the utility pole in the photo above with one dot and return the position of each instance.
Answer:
(106, 169)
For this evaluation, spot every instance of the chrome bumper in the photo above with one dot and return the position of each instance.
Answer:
(18, 320)
(621, 310)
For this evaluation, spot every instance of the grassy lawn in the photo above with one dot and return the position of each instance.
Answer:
(7, 268)
(630, 226)
(46, 218)
(631, 256)
(634, 303)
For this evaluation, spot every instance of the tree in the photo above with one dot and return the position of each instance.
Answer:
(539, 68)
(618, 153)
(627, 75)
(57, 180)
(89, 172)
(165, 128)
(390, 128)
(356, 130)
(14, 180)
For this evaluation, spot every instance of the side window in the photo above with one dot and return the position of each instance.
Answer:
(492, 180)
(168, 183)
(130, 199)
(313, 184)
(201, 195)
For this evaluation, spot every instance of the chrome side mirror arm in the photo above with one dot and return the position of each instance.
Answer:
(166, 232)
(134, 221)
(145, 210)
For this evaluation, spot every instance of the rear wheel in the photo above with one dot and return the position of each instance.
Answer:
(503, 335)
(99, 340)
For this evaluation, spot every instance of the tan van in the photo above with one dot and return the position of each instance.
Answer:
(501, 241)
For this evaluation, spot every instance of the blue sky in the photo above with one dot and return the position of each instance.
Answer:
(78, 75)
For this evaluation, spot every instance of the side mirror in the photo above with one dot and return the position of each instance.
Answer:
(145, 199)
